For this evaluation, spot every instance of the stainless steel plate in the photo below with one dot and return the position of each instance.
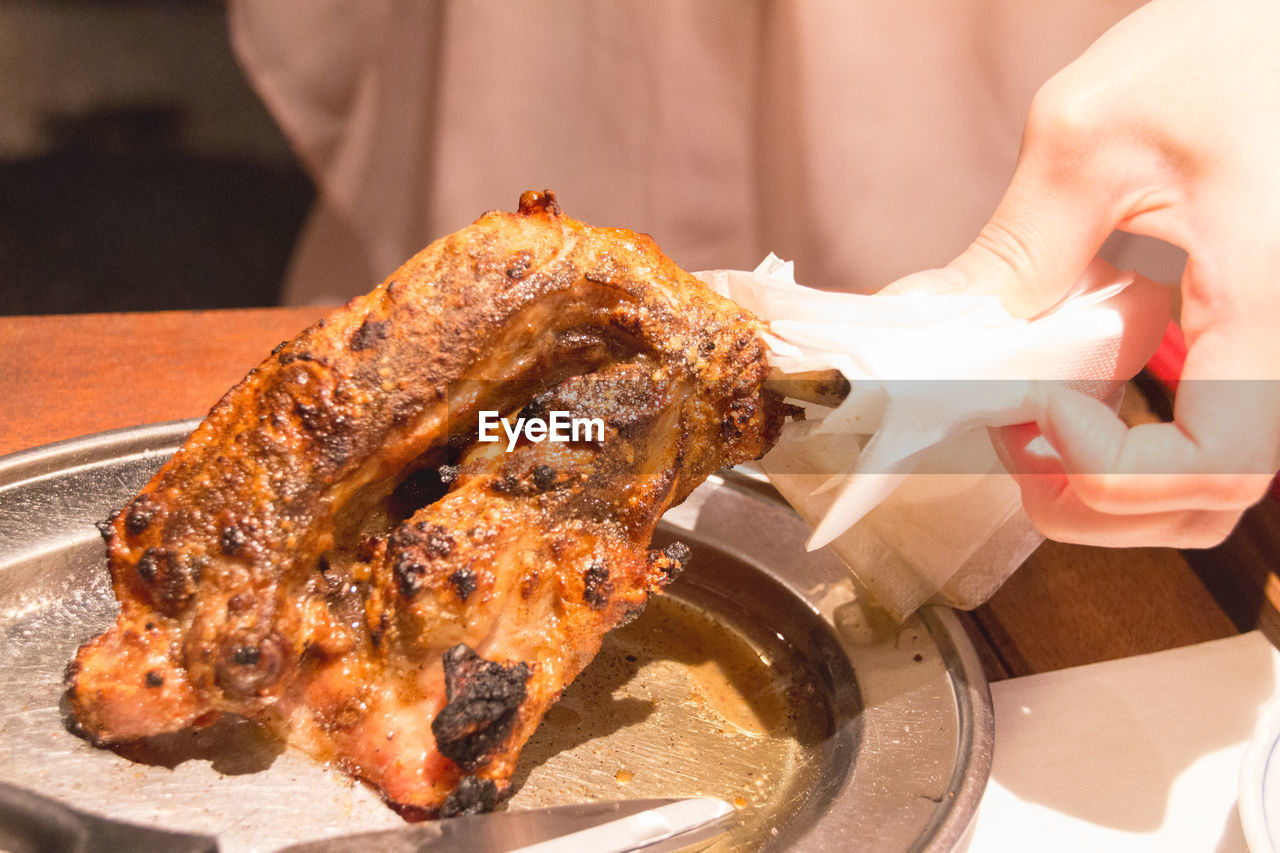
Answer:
(759, 679)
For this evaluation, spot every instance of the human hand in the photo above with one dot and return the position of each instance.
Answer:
(1168, 126)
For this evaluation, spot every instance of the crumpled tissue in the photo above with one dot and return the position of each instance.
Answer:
(901, 479)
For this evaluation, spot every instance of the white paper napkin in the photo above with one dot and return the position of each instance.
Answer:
(901, 479)
(1138, 754)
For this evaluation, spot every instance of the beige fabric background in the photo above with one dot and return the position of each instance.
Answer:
(865, 139)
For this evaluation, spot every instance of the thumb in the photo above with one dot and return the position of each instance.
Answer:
(1049, 225)
(1037, 244)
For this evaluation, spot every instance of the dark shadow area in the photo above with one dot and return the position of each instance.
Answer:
(117, 217)
(138, 168)
(1240, 572)
(232, 745)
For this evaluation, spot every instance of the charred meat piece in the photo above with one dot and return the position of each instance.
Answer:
(334, 552)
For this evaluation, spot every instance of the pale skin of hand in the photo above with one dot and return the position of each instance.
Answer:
(1168, 126)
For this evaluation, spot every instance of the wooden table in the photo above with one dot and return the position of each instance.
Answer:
(65, 376)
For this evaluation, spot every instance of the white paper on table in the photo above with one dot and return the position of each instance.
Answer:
(1137, 754)
(901, 479)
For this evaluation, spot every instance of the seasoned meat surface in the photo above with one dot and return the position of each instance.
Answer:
(335, 554)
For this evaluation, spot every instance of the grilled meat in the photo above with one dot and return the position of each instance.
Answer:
(334, 552)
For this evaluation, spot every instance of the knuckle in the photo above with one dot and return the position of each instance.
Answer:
(1067, 115)
(1234, 491)
(1053, 526)
(1209, 529)
(1010, 246)
(1109, 493)
(1047, 507)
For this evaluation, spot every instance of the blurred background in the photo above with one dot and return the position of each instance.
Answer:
(138, 170)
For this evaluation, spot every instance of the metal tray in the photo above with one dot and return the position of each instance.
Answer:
(758, 678)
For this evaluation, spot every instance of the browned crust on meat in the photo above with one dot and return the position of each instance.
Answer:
(248, 569)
